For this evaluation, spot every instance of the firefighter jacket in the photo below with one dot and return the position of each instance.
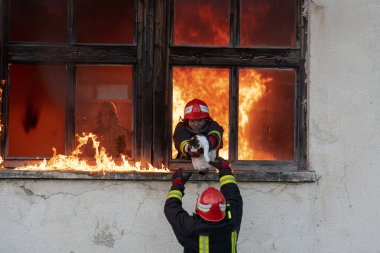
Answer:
(183, 133)
(197, 235)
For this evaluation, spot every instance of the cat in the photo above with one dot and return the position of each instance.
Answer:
(201, 163)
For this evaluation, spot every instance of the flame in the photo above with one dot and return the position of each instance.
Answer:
(251, 89)
(103, 162)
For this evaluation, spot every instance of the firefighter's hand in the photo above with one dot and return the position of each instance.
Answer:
(223, 167)
(180, 178)
(196, 153)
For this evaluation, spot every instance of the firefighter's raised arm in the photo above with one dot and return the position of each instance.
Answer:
(178, 218)
(230, 190)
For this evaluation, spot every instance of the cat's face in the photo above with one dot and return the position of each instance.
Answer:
(194, 144)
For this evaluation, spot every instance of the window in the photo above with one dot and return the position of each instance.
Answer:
(67, 72)
(250, 52)
(65, 62)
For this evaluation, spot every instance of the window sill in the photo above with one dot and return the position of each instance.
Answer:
(241, 176)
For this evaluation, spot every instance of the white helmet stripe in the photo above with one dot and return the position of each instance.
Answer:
(188, 109)
(203, 108)
(202, 207)
(222, 207)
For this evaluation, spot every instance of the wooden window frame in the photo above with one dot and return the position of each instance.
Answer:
(234, 57)
(152, 57)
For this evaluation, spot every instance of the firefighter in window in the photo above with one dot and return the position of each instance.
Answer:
(216, 224)
(197, 121)
(115, 138)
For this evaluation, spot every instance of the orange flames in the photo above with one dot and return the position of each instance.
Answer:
(103, 162)
(251, 89)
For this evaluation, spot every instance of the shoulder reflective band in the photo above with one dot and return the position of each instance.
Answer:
(182, 146)
(218, 134)
(174, 194)
(233, 241)
(227, 179)
(229, 215)
(203, 244)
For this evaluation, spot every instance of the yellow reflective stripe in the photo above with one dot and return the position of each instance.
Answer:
(174, 194)
(227, 179)
(229, 215)
(203, 244)
(219, 139)
(182, 146)
(233, 241)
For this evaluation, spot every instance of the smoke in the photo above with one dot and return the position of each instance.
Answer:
(37, 109)
(40, 21)
(202, 22)
(268, 23)
(109, 21)
(31, 116)
(262, 22)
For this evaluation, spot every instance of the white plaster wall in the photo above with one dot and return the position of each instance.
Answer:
(340, 213)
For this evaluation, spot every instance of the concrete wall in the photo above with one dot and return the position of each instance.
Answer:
(340, 213)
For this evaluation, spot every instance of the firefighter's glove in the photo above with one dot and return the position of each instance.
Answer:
(180, 178)
(196, 153)
(223, 167)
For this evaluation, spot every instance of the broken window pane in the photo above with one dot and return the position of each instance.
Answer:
(266, 114)
(104, 107)
(198, 22)
(208, 84)
(38, 20)
(270, 23)
(109, 21)
(37, 110)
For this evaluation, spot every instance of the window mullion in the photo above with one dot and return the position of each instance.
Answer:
(233, 114)
(70, 108)
(235, 23)
(71, 26)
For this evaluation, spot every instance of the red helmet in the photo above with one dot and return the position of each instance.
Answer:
(211, 205)
(196, 109)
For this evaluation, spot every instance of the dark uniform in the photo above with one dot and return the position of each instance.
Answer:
(183, 133)
(197, 235)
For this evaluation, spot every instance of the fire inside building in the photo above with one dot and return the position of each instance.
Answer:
(100, 85)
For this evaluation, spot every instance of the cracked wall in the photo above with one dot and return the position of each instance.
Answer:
(339, 213)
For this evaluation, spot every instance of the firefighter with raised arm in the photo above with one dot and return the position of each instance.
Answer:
(215, 226)
(197, 120)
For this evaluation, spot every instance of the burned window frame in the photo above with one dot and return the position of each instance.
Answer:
(70, 54)
(152, 57)
(235, 57)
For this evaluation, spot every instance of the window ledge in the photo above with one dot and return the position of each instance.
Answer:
(246, 176)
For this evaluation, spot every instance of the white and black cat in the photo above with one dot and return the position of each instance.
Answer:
(201, 163)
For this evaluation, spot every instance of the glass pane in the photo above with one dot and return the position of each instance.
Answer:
(104, 107)
(266, 114)
(109, 21)
(208, 84)
(268, 23)
(198, 22)
(37, 110)
(38, 20)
